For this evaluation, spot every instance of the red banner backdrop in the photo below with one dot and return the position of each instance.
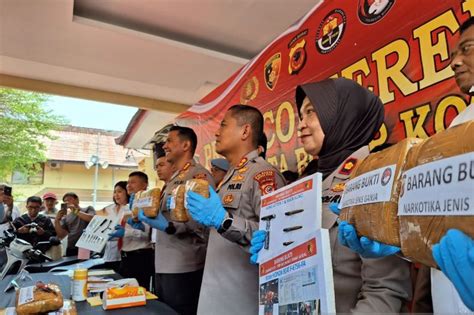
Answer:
(398, 49)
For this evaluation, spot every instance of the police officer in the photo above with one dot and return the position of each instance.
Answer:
(338, 118)
(230, 282)
(180, 249)
(455, 252)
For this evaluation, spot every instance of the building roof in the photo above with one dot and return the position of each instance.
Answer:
(78, 144)
(142, 128)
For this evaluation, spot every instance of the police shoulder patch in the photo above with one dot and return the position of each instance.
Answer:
(266, 181)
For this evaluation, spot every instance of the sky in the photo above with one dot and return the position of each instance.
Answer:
(90, 114)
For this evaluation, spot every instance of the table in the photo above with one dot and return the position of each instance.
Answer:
(64, 282)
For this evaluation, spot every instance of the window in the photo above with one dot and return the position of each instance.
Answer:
(20, 178)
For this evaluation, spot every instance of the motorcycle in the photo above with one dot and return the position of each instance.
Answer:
(16, 253)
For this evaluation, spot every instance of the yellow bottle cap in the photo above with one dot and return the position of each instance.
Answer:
(80, 274)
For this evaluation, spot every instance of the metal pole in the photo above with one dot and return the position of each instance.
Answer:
(96, 175)
(94, 200)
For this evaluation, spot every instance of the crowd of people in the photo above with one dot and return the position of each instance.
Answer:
(209, 262)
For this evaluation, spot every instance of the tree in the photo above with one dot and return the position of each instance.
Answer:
(24, 124)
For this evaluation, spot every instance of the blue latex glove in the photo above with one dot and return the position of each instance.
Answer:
(365, 247)
(334, 207)
(159, 222)
(207, 211)
(256, 244)
(136, 225)
(455, 256)
(118, 233)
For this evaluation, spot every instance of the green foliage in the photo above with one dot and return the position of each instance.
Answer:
(24, 124)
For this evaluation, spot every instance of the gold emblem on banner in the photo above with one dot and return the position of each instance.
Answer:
(249, 90)
(271, 71)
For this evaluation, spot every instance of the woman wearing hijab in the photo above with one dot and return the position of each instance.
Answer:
(338, 119)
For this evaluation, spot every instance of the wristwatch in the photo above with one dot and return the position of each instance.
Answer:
(227, 223)
(171, 229)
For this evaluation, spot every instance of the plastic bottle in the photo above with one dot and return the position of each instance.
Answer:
(79, 285)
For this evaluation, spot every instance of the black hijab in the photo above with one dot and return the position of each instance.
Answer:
(349, 114)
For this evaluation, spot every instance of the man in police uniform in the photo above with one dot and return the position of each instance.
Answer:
(180, 249)
(230, 282)
(164, 169)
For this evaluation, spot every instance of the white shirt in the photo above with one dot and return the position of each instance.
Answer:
(133, 239)
(136, 239)
(111, 252)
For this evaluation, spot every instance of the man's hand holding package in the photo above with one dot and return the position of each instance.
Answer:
(159, 222)
(455, 256)
(207, 211)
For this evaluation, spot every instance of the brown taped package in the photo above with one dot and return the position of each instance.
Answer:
(418, 234)
(179, 212)
(149, 201)
(46, 298)
(200, 186)
(379, 221)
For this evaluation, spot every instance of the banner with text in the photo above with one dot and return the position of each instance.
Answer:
(397, 49)
(443, 187)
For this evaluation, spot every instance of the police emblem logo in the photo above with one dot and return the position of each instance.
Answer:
(386, 176)
(297, 54)
(228, 199)
(371, 11)
(271, 71)
(266, 181)
(330, 31)
(249, 91)
(348, 166)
